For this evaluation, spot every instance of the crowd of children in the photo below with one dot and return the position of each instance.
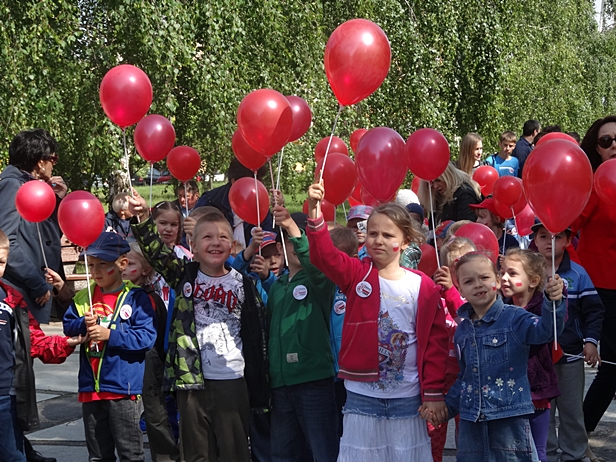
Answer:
(320, 342)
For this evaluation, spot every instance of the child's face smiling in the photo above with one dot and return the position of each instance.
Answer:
(478, 284)
(212, 245)
(385, 240)
(168, 226)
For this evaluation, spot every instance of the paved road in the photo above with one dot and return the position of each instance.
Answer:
(61, 432)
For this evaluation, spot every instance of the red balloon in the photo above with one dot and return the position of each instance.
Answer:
(327, 209)
(415, 184)
(35, 201)
(381, 163)
(183, 162)
(483, 237)
(247, 156)
(81, 217)
(302, 117)
(556, 136)
(507, 212)
(508, 190)
(366, 198)
(354, 202)
(339, 177)
(428, 153)
(485, 176)
(557, 181)
(357, 60)
(524, 220)
(605, 181)
(243, 199)
(356, 136)
(154, 137)
(265, 120)
(428, 264)
(337, 145)
(125, 94)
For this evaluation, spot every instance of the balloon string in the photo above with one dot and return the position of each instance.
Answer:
(279, 168)
(41, 242)
(93, 345)
(284, 247)
(553, 301)
(151, 175)
(345, 214)
(329, 142)
(258, 211)
(130, 184)
(275, 199)
(582, 357)
(186, 204)
(438, 260)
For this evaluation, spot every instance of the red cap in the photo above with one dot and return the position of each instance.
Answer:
(487, 204)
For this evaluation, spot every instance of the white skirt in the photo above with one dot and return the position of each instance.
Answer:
(373, 439)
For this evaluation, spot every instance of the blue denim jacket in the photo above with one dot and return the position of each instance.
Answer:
(493, 358)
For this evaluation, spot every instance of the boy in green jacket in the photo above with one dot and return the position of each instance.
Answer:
(301, 361)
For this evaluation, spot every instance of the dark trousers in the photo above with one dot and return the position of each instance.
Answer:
(305, 415)
(603, 387)
(214, 422)
(11, 436)
(113, 425)
(163, 446)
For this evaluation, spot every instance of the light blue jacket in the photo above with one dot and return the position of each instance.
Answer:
(493, 358)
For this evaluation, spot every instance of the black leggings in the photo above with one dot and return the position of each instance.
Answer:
(603, 388)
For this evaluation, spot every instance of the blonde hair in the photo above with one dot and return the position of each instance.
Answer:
(453, 179)
(401, 219)
(5, 244)
(466, 158)
(136, 250)
(533, 264)
(451, 231)
(455, 248)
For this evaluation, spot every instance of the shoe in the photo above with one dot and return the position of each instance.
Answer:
(35, 456)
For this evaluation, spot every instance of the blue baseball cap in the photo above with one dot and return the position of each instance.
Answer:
(108, 247)
(415, 208)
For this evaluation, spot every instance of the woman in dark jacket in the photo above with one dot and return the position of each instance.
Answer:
(32, 156)
(452, 193)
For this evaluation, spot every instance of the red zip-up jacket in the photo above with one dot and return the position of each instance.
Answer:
(359, 350)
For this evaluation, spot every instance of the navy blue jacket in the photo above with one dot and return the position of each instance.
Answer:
(521, 152)
(585, 310)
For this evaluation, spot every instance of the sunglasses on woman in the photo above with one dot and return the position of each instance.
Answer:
(605, 141)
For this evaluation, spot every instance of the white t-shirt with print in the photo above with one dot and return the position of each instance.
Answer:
(217, 306)
(397, 323)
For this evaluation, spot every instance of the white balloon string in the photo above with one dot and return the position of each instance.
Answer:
(275, 200)
(582, 357)
(93, 345)
(329, 142)
(258, 211)
(345, 213)
(151, 175)
(553, 301)
(279, 169)
(284, 247)
(438, 260)
(41, 242)
(130, 184)
(186, 204)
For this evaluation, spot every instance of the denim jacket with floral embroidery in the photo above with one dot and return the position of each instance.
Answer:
(493, 358)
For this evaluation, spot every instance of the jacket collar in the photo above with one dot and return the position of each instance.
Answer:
(565, 264)
(466, 311)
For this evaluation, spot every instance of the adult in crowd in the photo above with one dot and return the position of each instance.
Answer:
(524, 146)
(219, 198)
(471, 152)
(597, 252)
(452, 194)
(187, 196)
(32, 156)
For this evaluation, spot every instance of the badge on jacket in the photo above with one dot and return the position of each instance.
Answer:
(187, 290)
(126, 311)
(363, 289)
(300, 292)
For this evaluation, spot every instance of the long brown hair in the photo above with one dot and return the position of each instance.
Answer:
(533, 263)
(466, 158)
(401, 219)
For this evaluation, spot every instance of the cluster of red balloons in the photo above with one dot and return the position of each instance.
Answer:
(249, 200)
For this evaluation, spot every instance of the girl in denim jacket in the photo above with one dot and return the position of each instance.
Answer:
(492, 393)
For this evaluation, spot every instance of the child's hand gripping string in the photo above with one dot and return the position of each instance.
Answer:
(276, 198)
(258, 266)
(283, 218)
(316, 193)
(96, 332)
(554, 288)
(54, 279)
(253, 247)
(442, 277)
(138, 206)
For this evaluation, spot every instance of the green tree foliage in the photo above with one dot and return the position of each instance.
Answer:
(457, 66)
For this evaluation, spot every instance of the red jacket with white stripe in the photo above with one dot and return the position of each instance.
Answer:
(359, 350)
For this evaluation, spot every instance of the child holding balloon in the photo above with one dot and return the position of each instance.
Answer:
(394, 342)
(492, 393)
(168, 219)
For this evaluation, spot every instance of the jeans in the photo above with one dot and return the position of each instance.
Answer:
(603, 387)
(113, 425)
(305, 413)
(11, 436)
(500, 440)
